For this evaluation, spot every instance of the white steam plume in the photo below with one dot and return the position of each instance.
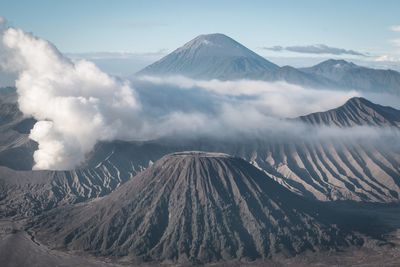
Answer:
(75, 104)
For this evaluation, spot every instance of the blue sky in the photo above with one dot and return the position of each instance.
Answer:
(160, 26)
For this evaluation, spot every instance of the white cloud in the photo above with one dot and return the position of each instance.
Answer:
(315, 49)
(392, 57)
(396, 42)
(395, 28)
(387, 58)
(273, 98)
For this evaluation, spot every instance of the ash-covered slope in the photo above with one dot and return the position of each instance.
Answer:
(325, 169)
(211, 56)
(197, 207)
(28, 193)
(357, 111)
(16, 149)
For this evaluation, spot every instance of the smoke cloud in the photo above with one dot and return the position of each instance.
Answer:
(77, 105)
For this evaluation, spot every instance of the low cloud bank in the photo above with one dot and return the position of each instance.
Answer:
(278, 99)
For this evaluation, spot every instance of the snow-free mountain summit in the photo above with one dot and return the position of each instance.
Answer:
(211, 55)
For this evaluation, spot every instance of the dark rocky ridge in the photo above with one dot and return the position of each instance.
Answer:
(357, 111)
(196, 207)
(14, 130)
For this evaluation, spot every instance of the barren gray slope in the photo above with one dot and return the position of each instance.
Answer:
(18, 248)
(196, 207)
(334, 169)
(27, 193)
(16, 149)
(356, 112)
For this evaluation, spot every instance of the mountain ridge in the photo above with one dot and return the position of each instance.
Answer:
(196, 207)
(351, 76)
(329, 170)
(357, 111)
(217, 56)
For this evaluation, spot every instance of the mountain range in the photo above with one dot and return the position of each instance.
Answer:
(217, 56)
(197, 207)
(203, 199)
(325, 169)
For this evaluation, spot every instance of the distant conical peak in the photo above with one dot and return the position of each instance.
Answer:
(216, 41)
(203, 40)
(212, 56)
(213, 38)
